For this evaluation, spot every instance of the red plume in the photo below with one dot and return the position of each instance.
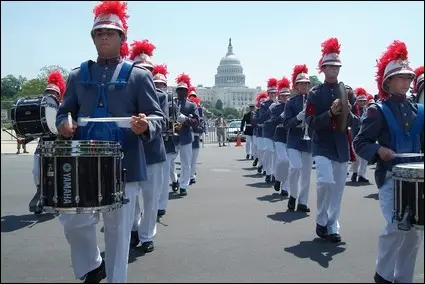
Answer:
(418, 72)
(124, 51)
(139, 47)
(284, 83)
(55, 77)
(195, 100)
(297, 70)
(160, 69)
(397, 50)
(272, 82)
(329, 46)
(118, 8)
(191, 88)
(183, 78)
(360, 92)
(370, 99)
(260, 96)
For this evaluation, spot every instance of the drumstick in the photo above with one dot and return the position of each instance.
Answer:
(70, 119)
(408, 155)
(115, 119)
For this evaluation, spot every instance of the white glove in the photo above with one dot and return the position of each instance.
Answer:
(181, 118)
(301, 116)
(282, 114)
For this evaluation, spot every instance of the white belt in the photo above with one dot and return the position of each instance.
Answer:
(195, 134)
(248, 125)
(280, 125)
(261, 125)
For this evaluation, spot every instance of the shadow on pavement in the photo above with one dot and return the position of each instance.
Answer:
(12, 223)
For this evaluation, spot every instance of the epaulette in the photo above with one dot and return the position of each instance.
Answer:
(141, 67)
(76, 68)
(315, 88)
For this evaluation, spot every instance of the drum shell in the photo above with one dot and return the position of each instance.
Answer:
(85, 181)
(408, 189)
(29, 116)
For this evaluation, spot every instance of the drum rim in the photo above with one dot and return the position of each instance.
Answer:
(83, 210)
(83, 142)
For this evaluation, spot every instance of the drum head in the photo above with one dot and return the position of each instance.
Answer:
(51, 110)
(409, 171)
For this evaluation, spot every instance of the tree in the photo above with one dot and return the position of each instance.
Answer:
(10, 86)
(219, 105)
(47, 69)
(33, 87)
(228, 111)
(314, 81)
(207, 104)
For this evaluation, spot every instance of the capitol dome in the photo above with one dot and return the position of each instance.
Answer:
(230, 71)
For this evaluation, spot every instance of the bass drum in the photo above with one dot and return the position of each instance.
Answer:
(35, 116)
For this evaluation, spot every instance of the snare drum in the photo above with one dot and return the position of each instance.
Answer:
(79, 176)
(409, 195)
(35, 116)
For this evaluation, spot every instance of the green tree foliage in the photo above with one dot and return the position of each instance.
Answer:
(47, 69)
(10, 86)
(219, 105)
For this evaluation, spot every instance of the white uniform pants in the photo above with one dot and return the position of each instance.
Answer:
(163, 196)
(173, 174)
(249, 145)
(268, 160)
(397, 250)
(282, 165)
(300, 164)
(80, 232)
(254, 146)
(359, 166)
(260, 151)
(150, 191)
(331, 177)
(36, 169)
(186, 161)
(194, 159)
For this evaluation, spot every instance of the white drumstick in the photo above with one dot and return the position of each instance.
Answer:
(70, 119)
(408, 155)
(114, 119)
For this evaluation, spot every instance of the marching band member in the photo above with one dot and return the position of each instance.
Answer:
(397, 124)
(197, 131)
(255, 120)
(330, 147)
(418, 85)
(268, 129)
(279, 138)
(144, 221)
(55, 86)
(369, 100)
(160, 79)
(188, 118)
(247, 130)
(359, 166)
(299, 149)
(92, 80)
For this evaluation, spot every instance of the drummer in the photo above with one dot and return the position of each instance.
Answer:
(93, 80)
(386, 122)
(56, 87)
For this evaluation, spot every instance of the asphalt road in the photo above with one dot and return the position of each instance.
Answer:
(230, 228)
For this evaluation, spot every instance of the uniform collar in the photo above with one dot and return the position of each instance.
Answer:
(398, 98)
(331, 85)
(108, 61)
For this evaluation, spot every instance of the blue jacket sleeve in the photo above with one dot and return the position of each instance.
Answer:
(290, 117)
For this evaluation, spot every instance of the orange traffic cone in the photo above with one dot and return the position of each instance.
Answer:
(238, 140)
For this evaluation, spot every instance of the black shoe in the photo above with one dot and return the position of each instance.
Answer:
(363, 179)
(192, 181)
(175, 186)
(252, 158)
(183, 192)
(303, 208)
(17, 153)
(161, 212)
(354, 177)
(335, 238)
(224, 145)
(264, 173)
(96, 275)
(379, 279)
(277, 186)
(291, 203)
(268, 179)
(254, 164)
(26, 152)
(284, 193)
(247, 157)
(134, 238)
(147, 246)
(321, 231)
(219, 145)
(260, 169)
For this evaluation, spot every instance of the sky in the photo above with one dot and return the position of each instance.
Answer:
(191, 37)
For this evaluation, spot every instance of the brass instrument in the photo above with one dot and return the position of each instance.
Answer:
(305, 125)
(172, 127)
(342, 118)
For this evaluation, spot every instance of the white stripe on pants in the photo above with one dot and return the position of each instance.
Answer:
(282, 164)
(163, 196)
(194, 159)
(331, 177)
(359, 166)
(249, 145)
(268, 163)
(150, 190)
(185, 163)
(80, 232)
(397, 250)
(173, 174)
(300, 164)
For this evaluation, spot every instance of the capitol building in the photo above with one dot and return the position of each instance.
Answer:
(229, 84)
